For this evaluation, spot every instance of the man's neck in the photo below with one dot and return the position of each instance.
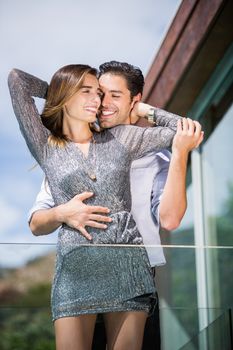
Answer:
(143, 122)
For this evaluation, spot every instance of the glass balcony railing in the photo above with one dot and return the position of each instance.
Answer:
(217, 335)
(195, 291)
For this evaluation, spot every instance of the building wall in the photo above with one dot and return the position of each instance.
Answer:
(192, 74)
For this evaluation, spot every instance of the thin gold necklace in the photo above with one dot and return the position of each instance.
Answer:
(92, 174)
(84, 141)
(91, 171)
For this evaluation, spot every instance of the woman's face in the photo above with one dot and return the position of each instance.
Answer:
(84, 105)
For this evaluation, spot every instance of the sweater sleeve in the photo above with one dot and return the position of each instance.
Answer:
(139, 141)
(22, 87)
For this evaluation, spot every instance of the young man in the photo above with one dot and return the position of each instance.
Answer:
(158, 189)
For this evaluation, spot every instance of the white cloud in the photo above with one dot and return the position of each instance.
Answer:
(15, 255)
(81, 31)
(9, 215)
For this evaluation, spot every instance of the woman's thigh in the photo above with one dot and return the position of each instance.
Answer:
(74, 333)
(125, 329)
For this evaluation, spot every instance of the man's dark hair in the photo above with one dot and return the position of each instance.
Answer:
(133, 75)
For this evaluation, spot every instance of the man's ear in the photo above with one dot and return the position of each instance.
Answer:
(136, 98)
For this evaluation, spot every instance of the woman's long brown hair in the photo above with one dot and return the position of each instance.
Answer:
(64, 84)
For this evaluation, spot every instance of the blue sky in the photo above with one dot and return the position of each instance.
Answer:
(39, 37)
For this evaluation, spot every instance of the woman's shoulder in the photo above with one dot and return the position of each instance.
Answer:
(121, 133)
(124, 128)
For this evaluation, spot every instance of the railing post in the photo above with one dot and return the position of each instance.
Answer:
(199, 239)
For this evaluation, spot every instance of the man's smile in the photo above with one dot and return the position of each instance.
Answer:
(104, 114)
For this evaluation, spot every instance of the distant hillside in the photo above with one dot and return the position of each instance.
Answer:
(22, 285)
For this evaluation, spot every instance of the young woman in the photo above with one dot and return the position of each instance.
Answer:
(109, 274)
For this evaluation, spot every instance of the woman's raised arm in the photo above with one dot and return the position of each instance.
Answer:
(22, 87)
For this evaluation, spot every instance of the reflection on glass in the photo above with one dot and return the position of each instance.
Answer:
(218, 209)
(177, 279)
(216, 336)
(218, 183)
(179, 312)
(25, 300)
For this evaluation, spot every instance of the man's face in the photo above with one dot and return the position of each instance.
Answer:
(116, 103)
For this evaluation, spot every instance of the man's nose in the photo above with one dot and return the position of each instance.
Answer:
(105, 100)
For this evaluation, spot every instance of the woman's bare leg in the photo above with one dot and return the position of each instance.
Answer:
(74, 333)
(125, 329)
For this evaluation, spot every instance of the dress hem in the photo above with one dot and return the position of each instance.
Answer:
(100, 311)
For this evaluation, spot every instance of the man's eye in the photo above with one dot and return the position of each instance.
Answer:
(115, 96)
(86, 91)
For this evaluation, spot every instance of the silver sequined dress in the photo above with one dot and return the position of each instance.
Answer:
(92, 277)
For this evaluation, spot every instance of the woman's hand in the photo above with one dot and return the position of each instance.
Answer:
(189, 135)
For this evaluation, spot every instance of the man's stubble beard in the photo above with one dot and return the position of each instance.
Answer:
(109, 124)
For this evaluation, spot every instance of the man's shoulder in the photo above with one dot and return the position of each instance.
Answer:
(153, 159)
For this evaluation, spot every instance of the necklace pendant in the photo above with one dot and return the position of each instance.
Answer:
(92, 177)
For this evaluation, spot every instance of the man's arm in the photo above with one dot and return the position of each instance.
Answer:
(173, 202)
(145, 115)
(44, 201)
(45, 218)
